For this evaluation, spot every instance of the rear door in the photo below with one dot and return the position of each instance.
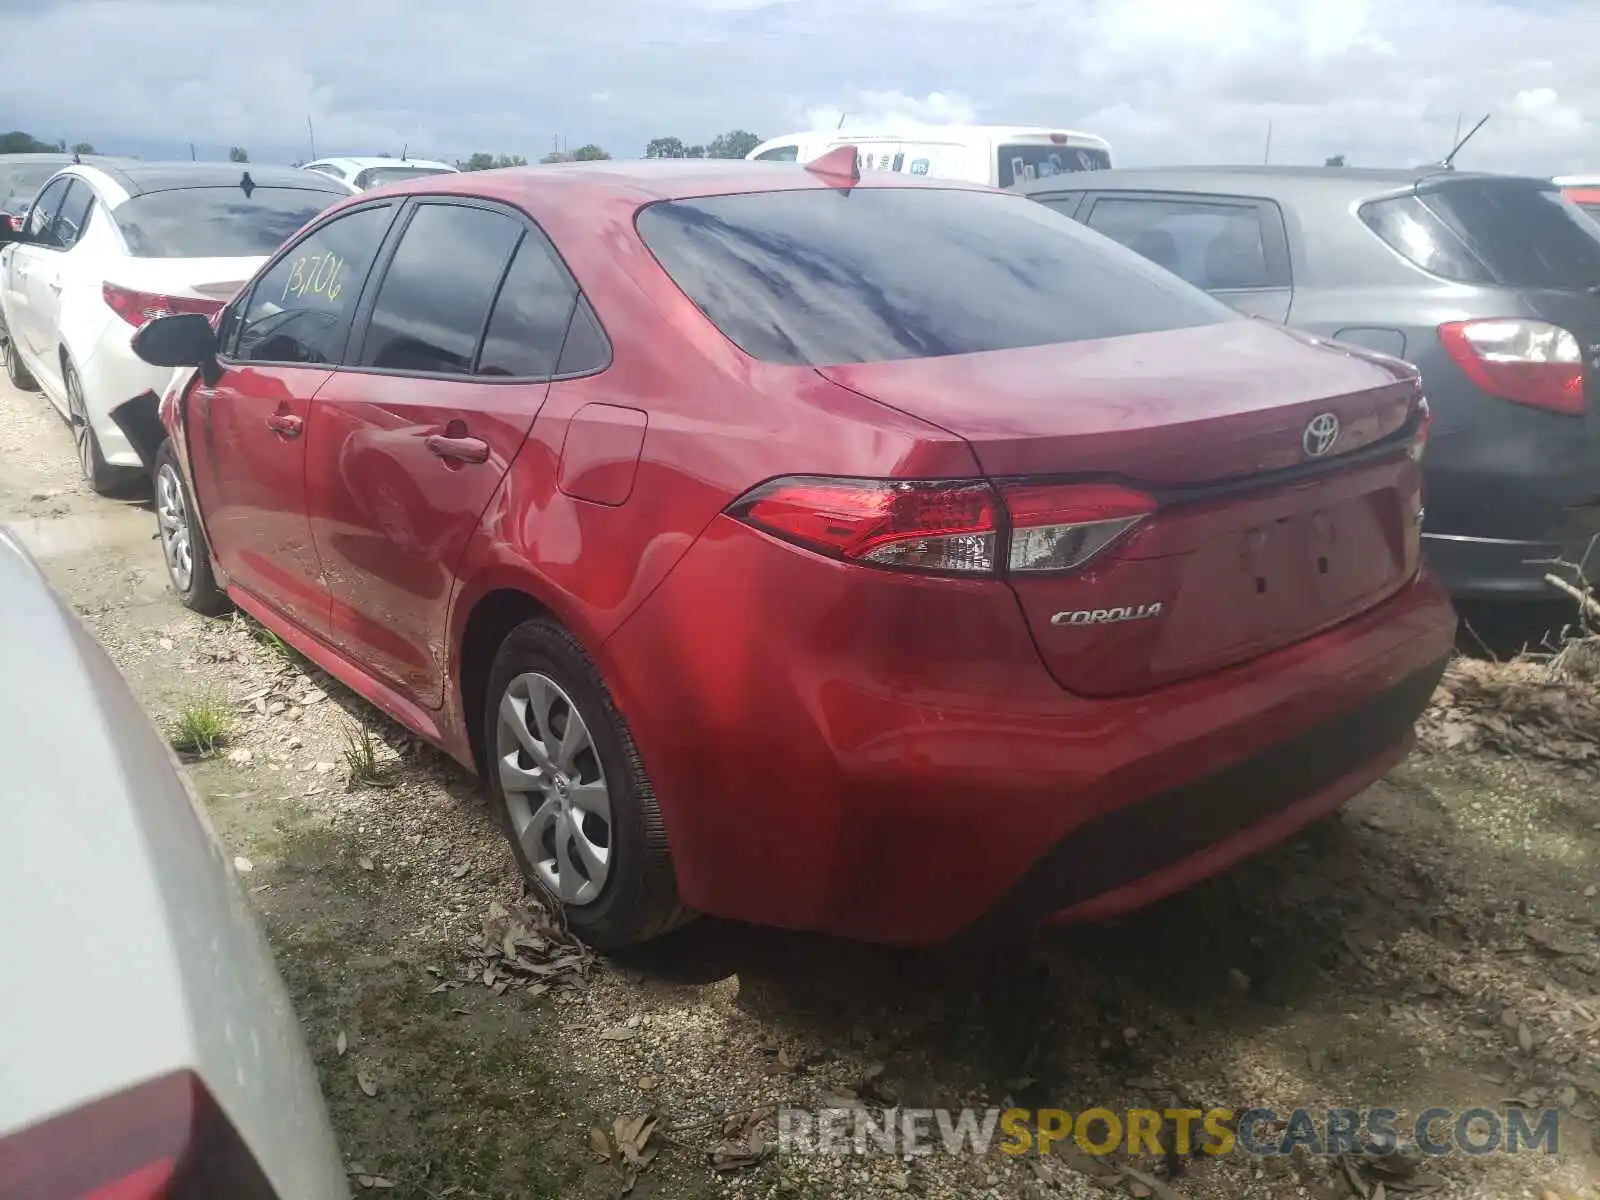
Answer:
(1233, 247)
(246, 433)
(449, 364)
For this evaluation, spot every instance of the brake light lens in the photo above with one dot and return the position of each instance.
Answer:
(1060, 528)
(944, 526)
(162, 1140)
(139, 308)
(1526, 362)
(951, 527)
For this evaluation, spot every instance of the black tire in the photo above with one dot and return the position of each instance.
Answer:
(200, 593)
(639, 898)
(104, 478)
(15, 371)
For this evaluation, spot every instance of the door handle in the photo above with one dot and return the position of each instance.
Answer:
(286, 424)
(458, 449)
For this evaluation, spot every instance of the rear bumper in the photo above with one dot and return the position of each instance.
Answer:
(821, 762)
(1477, 568)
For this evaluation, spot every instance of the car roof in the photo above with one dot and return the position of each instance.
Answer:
(1263, 179)
(366, 164)
(643, 181)
(140, 178)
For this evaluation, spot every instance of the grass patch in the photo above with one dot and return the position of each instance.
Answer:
(361, 765)
(202, 726)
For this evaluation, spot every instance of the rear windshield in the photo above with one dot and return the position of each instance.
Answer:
(20, 183)
(377, 176)
(821, 277)
(1018, 164)
(1508, 232)
(216, 222)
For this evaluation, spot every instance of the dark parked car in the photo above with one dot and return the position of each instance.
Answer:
(1486, 282)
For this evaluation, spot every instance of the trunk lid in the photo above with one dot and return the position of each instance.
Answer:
(1253, 542)
(216, 279)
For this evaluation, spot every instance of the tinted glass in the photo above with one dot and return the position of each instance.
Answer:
(875, 274)
(1592, 209)
(19, 184)
(299, 310)
(42, 216)
(436, 294)
(216, 222)
(1017, 164)
(1211, 245)
(1510, 232)
(586, 348)
(377, 176)
(530, 315)
(780, 154)
(74, 215)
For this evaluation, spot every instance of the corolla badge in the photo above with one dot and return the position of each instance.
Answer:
(1107, 616)
(1321, 432)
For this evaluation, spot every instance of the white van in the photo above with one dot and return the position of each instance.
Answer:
(999, 155)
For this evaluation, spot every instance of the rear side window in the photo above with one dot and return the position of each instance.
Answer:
(216, 222)
(1213, 246)
(73, 218)
(378, 176)
(530, 315)
(435, 296)
(1508, 232)
(779, 154)
(1018, 164)
(821, 277)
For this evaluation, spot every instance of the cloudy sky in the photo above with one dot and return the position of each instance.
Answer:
(1164, 80)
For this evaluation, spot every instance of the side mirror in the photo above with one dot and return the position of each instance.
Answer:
(181, 340)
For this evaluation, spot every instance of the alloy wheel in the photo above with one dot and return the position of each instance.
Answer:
(172, 514)
(79, 417)
(555, 788)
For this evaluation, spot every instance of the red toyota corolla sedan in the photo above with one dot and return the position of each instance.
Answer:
(868, 554)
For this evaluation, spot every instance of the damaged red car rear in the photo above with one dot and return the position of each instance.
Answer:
(872, 555)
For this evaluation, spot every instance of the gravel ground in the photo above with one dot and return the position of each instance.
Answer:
(1434, 944)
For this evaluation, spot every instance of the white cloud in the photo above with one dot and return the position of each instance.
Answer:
(1163, 80)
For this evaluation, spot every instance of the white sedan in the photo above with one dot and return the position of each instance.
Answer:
(148, 1043)
(363, 174)
(107, 247)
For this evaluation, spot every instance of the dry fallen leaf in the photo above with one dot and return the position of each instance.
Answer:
(646, 1082)
(460, 870)
(341, 1044)
(1524, 1037)
(599, 1143)
(366, 1084)
(632, 1136)
(620, 1033)
(365, 863)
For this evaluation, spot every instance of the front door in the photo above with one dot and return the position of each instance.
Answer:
(28, 265)
(246, 434)
(409, 445)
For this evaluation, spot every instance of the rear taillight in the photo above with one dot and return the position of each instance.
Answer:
(138, 308)
(1059, 528)
(949, 527)
(162, 1140)
(954, 527)
(1527, 362)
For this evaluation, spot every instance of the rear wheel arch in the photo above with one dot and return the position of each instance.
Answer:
(494, 615)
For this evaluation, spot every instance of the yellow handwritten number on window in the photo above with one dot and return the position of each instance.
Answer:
(317, 275)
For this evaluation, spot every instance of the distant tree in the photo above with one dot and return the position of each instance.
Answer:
(238, 154)
(736, 143)
(17, 142)
(695, 151)
(83, 148)
(589, 153)
(490, 162)
(666, 147)
(1336, 161)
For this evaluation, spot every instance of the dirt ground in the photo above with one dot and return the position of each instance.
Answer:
(1434, 944)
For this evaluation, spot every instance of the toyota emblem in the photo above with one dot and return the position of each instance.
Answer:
(1322, 431)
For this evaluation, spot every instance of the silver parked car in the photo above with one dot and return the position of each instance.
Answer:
(147, 1044)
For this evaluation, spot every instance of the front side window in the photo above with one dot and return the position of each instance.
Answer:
(299, 311)
(73, 217)
(1214, 246)
(820, 277)
(435, 296)
(41, 218)
(217, 222)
